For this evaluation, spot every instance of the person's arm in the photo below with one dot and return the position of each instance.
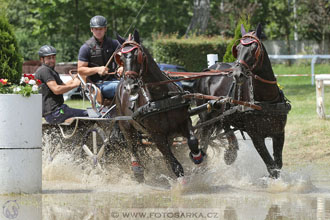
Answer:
(61, 89)
(83, 59)
(84, 70)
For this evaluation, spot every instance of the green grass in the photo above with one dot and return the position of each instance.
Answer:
(300, 69)
(307, 136)
(78, 103)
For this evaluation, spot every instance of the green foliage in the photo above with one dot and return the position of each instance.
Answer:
(316, 27)
(10, 59)
(65, 24)
(24, 89)
(228, 57)
(190, 53)
(279, 19)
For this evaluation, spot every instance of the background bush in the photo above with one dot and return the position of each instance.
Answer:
(190, 53)
(228, 57)
(10, 58)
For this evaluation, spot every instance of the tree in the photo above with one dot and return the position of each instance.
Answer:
(199, 21)
(225, 15)
(65, 23)
(280, 21)
(314, 20)
(10, 59)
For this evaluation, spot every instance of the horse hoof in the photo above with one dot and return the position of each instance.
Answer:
(230, 156)
(138, 172)
(274, 173)
(182, 180)
(139, 177)
(197, 159)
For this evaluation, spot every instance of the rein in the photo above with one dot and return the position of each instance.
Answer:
(217, 98)
(263, 80)
(210, 72)
(195, 75)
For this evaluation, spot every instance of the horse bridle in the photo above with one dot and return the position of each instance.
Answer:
(259, 56)
(141, 57)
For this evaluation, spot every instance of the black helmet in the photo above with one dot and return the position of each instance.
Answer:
(98, 21)
(46, 51)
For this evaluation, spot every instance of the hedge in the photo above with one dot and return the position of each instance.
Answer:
(10, 58)
(190, 53)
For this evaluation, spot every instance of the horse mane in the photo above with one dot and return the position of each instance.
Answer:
(266, 69)
(157, 75)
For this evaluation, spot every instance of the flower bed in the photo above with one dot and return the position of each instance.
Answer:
(28, 85)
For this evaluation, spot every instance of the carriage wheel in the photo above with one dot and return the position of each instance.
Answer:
(94, 143)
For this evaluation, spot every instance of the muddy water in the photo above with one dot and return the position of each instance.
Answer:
(72, 189)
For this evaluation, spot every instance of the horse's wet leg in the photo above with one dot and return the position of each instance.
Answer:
(278, 142)
(176, 167)
(231, 152)
(205, 138)
(131, 137)
(196, 155)
(138, 170)
(259, 144)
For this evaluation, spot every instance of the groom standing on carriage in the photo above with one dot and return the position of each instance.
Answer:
(93, 59)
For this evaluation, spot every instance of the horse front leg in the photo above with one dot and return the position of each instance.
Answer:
(260, 146)
(205, 133)
(137, 168)
(278, 143)
(164, 147)
(196, 155)
(232, 148)
(131, 136)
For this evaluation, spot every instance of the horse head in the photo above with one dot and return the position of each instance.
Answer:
(133, 59)
(253, 61)
(248, 51)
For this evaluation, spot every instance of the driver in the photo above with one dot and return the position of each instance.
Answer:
(94, 55)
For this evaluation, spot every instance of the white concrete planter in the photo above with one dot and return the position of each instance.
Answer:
(20, 143)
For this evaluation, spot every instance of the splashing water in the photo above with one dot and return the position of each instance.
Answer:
(63, 168)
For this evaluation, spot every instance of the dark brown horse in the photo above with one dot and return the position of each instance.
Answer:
(261, 89)
(158, 111)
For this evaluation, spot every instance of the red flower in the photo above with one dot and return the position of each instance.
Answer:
(3, 81)
(30, 76)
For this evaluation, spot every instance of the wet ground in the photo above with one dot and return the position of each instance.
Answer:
(73, 190)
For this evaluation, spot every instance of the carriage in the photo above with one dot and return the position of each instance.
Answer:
(150, 109)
